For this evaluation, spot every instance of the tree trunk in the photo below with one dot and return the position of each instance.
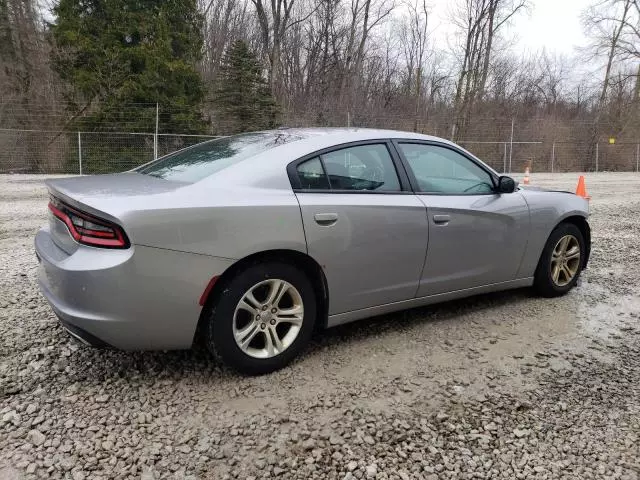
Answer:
(636, 90)
(612, 53)
(493, 5)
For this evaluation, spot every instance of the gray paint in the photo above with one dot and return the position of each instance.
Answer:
(384, 252)
(482, 243)
(139, 298)
(547, 209)
(375, 251)
(335, 320)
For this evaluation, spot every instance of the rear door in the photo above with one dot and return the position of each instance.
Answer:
(476, 237)
(362, 223)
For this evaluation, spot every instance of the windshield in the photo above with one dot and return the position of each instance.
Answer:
(200, 161)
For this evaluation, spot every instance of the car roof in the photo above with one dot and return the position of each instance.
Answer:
(337, 135)
(310, 140)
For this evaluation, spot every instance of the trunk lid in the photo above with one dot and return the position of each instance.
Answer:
(110, 194)
(112, 185)
(105, 196)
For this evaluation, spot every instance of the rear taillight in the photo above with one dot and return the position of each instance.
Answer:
(89, 229)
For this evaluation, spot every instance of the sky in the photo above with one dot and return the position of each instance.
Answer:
(553, 24)
(550, 24)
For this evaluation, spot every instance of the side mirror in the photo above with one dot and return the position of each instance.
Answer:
(506, 184)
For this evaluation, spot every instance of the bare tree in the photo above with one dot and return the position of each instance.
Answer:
(275, 18)
(27, 84)
(414, 42)
(365, 15)
(552, 73)
(224, 22)
(614, 29)
(479, 21)
(606, 22)
(373, 63)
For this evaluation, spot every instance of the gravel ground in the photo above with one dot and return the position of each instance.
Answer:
(498, 386)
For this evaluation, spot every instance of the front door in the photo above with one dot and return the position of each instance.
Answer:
(369, 235)
(476, 237)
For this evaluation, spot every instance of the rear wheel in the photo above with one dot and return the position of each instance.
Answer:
(561, 261)
(263, 318)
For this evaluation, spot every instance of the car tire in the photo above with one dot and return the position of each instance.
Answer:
(244, 339)
(555, 265)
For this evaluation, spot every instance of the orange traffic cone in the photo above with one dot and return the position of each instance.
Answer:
(525, 181)
(581, 190)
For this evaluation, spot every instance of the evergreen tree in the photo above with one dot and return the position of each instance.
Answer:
(115, 53)
(243, 96)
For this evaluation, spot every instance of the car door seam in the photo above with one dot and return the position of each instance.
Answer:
(426, 251)
(528, 235)
(304, 231)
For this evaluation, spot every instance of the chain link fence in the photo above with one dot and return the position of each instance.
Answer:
(37, 151)
(34, 151)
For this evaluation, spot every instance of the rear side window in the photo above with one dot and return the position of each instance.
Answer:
(200, 161)
(363, 167)
(312, 175)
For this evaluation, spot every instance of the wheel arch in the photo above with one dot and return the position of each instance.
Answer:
(582, 224)
(306, 263)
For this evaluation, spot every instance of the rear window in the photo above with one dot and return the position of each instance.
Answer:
(200, 161)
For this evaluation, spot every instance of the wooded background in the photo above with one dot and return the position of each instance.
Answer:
(214, 67)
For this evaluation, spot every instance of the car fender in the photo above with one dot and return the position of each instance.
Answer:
(547, 210)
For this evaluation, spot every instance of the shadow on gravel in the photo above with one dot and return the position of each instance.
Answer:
(61, 362)
(374, 326)
(442, 312)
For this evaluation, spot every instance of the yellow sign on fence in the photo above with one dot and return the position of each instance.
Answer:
(612, 141)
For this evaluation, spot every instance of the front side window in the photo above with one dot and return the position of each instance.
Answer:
(363, 167)
(442, 170)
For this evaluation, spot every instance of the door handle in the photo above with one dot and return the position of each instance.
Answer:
(326, 219)
(441, 219)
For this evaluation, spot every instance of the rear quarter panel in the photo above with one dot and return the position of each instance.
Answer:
(547, 210)
(231, 223)
(244, 209)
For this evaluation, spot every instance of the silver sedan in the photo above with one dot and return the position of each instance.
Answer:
(249, 242)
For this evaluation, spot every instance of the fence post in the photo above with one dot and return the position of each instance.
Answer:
(597, 155)
(511, 147)
(553, 155)
(79, 154)
(348, 119)
(155, 137)
(504, 159)
(637, 156)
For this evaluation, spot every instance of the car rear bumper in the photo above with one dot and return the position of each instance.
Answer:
(82, 336)
(140, 298)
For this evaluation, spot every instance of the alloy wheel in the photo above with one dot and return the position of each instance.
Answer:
(565, 260)
(268, 318)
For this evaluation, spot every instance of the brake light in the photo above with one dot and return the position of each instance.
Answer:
(89, 229)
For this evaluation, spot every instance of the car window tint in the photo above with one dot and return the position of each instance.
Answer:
(442, 170)
(312, 176)
(200, 161)
(363, 167)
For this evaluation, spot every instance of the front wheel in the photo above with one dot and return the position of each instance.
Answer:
(263, 318)
(561, 261)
